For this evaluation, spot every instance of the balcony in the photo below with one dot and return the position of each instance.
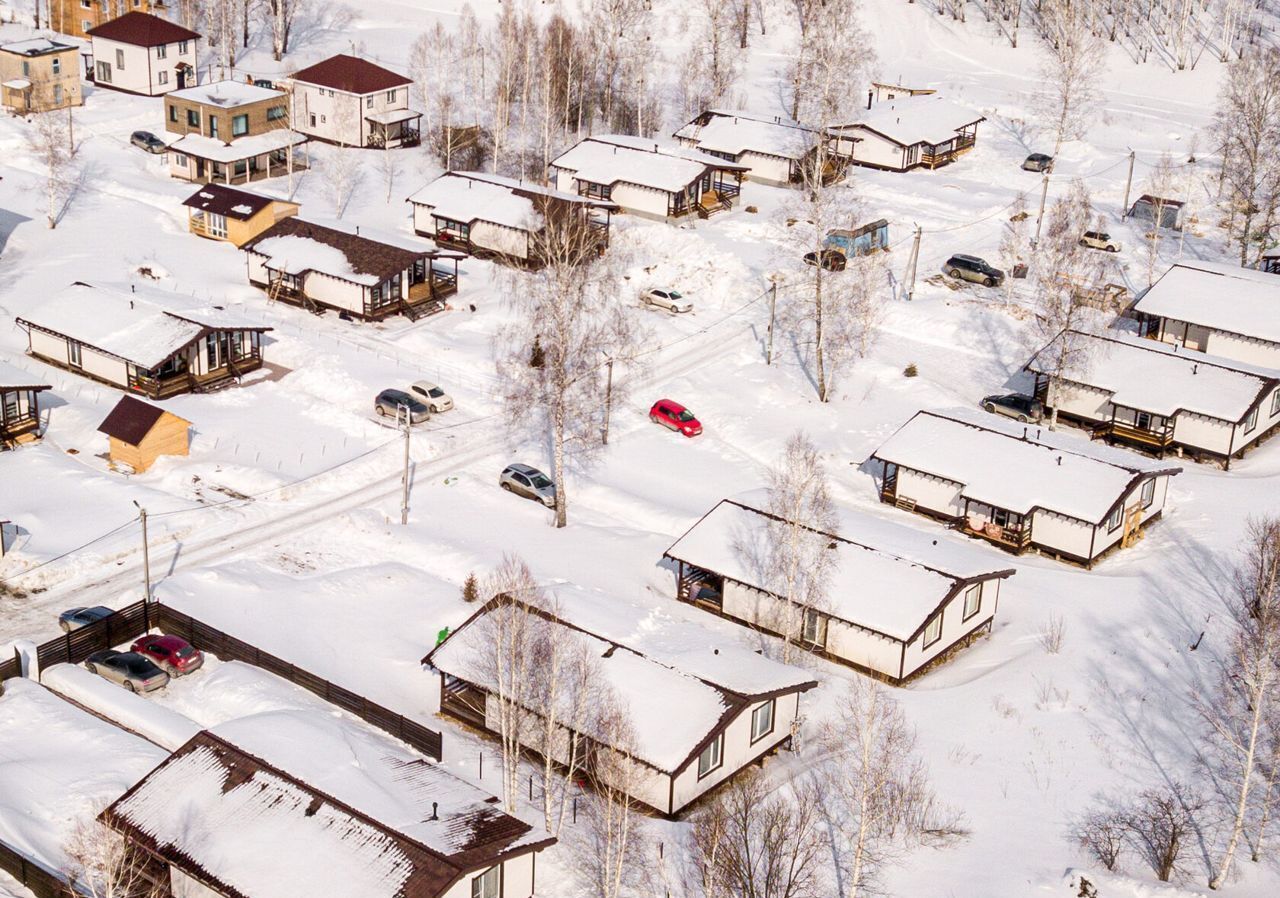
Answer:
(1013, 539)
(1159, 441)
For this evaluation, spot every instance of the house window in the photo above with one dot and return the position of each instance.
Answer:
(240, 166)
(86, 4)
(180, 160)
(313, 119)
(86, 25)
(57, 94)
(1252, 421)
(73, 354)
(193, 118)
(213, 126)
(487, 884)
(762, 720)
(972, 601)
(26, 69)
(216, 225)
(597, 191)
(212, 346)
(182, 47)
(57, 65)
(932, 632)
(368, 102)
(162, 51)
(813, 630)
(239, 125)
(173, 113)
(323, 119)
(275, 113)
(391, 96)
(1275, 403)
(1148, 493)
(712, 756)
(163, 77)
(120, 59)
(1113, 522)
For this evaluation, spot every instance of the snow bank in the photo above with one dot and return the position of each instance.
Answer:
(161, 725)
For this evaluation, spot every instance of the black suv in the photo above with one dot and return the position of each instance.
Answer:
(971, 268)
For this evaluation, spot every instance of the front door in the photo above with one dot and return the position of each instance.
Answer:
(182, 76)
(200, 169)
(104, 72)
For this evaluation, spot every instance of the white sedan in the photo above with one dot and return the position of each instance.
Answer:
(666, 298)
(431, 396)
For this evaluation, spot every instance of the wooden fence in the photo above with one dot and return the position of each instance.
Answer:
(134, 620)
(42, 882)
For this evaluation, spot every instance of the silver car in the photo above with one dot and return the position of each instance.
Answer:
(666, 298)
(133, 671)
(528, 482)
(390, 402)
(431, 396)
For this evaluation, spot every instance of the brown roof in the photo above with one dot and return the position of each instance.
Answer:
(351, 74)
(143, 30)
(366, 256)
(131, 420)
(220, 200)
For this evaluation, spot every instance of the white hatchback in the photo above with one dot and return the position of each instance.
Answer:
(431, 396)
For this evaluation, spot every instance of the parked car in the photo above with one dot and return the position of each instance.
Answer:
(666, 298)
(1099, 240)
(389, 403)
(145, 140)
(675, 416)
(528, 482)
(75, 618)
(830, 259)
(972, 268)
(128, 669)
(172, 654)
(431, 396)
(1038, 162)
(1014, 405)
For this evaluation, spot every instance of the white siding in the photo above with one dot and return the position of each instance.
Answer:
(873, 149)
(334, 292)
(517, 879)
(932, 493)
(338, 118)
(767, 169)
(1061, 534)
(423, 221)
(106, 367)
(142, 65)
(644, 201)
(1107, 538)
(954, 626)
(499, 239)
(1244, 349)
(183, 886)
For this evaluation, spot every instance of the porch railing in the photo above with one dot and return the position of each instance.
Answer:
(1118, 430)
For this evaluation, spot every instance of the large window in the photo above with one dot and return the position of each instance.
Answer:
(57, 94)
(391, 96)
(73, 354)
(162, 77)
(173, 113)
(1148, 493)
(814, 628)
(162, 51)
(972, 601)
(120, 59)
(182, 47)
(1117, 516)
(1252, 421)
(240, 125)
(712, 756)
(275, 113)
(932, 632)
(216, 225)
(597, 191)
(213, 126)
(193, 118)
(488, 884)
(762, 720)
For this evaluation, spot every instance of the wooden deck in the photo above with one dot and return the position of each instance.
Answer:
(1159, 442)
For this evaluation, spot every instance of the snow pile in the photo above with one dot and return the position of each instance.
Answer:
(161, 725)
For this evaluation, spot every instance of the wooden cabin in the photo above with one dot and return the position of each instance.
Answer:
(897, 602)
(699, 715)
(139, 433)
(1216, 308)
(231, 132)
(19, 407)
(324, 267)
(907, 132)
(1022, 487)
(234, 216)
(491, 216)
(1158, 398)
(643, 178)
(143, 340)
(775, 150)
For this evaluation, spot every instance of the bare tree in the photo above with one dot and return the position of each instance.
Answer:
(102, 863)
(834, 58)
(880, 785)
(1247, 126)
(714, 58)
(343, 176)
(49, 140)
(1102, 833)
(280, 18)
(1071, 68)
(1162, 822)
(1158, 185)
(610, 844)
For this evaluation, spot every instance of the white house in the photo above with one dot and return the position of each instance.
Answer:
(700, 711)
(646, 179)
(144, 340)
(907, 132)
(357, 820)
(1022, 486)
(774, 149)
(896, 600)
(321, 266)
(1216, 308)
(351, 101)
(139, 53)
(483, 214)
(1162, 399)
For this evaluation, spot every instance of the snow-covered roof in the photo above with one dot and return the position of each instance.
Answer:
(871, 586)
(144, 327)
(1018, 467)
(36, 46)
(338, 812)
(610, 158)
(702, 682)
(296, 255)
(298, 245)
(478, 196)
(18, 84)
(737, 132)
(920, 119)
(12, 378)
(1220, 296)
(216, 150)
(1157, 378)
(391, 116)
(227, 93)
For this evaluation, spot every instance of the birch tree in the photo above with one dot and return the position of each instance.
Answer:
(101, 863)
(1248, 129)
(49, 140)
(610, 844)
(280, 18)
(1159, 185)
(1071, 67)
(714, 59)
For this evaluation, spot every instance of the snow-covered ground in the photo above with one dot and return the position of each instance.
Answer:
(282, 525)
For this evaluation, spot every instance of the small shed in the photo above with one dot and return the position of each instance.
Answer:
(140, 433)
(1157, 208)
(861, 240)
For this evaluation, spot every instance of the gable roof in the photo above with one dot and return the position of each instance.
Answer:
(610, 158)
(874, 584)
(1220, 296)
(918, 119)
(143, 30)
(350, 74)
(212, 806)
(477, 196)
(298, 246)
(1156, 377)
(710, 686)
(218, 199)
(1018, 467)
(13, 378)
(131, 420)
(735, 133)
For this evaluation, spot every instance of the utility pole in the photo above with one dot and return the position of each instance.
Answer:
(404, 478)
(773, 311)
(912, 263)
(608, 402)
(146, 554)
(1128, 181)
(1044, 195)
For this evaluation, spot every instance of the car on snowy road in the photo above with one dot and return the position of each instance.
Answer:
(1099, 240)
(529, 482)
(390, 402)
(1038, 162)
(75, 618)
(128, 669)
(145, 140)
(1014, 405)
(674, 416)
(972, 268)
(172, 654)
(666, 298)
(431, 396)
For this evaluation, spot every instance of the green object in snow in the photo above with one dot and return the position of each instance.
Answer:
(442, 635)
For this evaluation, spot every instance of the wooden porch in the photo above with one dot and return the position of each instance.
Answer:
(1012, 539)
(1159, 441)
(463, 701)
(934, 157)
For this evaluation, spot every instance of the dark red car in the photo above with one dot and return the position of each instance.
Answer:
(173, 654)
(675, 416)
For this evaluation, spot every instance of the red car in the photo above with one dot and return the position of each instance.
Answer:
(675, 416)
(172, 654)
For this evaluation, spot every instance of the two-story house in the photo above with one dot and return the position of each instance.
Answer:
(39, 74)
(232, 132)
(77, 17)
(139, 53)
(350, 101)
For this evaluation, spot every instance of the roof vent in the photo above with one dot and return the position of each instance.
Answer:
(434, 810)
(1195, 369)
(715, 651)
(1059, 461)
(1024, 432)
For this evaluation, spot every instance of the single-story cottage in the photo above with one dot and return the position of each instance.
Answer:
(698, 716)
(1022, 487)
(146, 341)
(774, 149)
(1156, 397)
(489, 215)
(896, 601)
(19, 406)
(138, 433)
(1217, 308)
(328, 267)
(351, 101)
(139, 53)
(643, 178)
(235, 216)
(907, 132)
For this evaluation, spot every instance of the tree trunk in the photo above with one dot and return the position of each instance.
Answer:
(1259, 699)
(562, 510)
